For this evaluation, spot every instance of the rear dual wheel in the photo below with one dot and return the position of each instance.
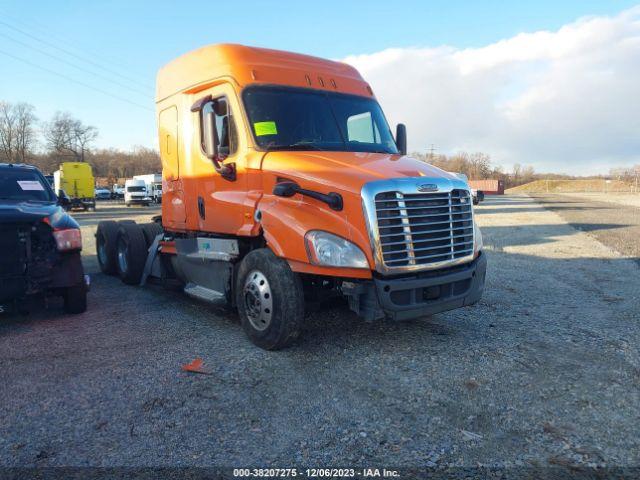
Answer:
(106, 240)
(151, 231)
(131, 253)
(122, 248)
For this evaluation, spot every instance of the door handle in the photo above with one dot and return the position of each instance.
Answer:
(201, 207)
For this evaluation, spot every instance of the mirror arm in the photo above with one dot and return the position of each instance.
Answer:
(227, 171)
(197, 106)
(334, 200)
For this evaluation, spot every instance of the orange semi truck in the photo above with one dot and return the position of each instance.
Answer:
(283, 185)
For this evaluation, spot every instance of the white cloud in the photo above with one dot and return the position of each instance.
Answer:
(564, 101)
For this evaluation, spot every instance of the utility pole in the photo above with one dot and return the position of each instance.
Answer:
(432, 150)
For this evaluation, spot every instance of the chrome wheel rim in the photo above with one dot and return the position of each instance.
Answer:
(122, 255)
(258, 300)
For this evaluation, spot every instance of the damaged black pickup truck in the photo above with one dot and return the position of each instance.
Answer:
(40, 243)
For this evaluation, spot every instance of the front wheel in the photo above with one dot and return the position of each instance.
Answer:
(270, 300)
(75, 299)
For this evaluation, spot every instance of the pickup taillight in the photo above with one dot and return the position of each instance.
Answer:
(66, 240)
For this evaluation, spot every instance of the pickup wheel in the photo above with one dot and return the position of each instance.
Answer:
(270, 300)
(131, 253)
(75, 299)
(106, 244)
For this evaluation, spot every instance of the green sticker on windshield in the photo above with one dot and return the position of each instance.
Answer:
(265, 128)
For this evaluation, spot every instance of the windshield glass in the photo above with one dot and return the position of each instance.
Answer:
(303, 119)
(136, 189)
(24, 185)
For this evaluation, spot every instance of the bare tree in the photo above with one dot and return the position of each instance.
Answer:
(479, 166)
(68, 136)
(17, 135)
(25, 132)
(7, 131)
(517, 173)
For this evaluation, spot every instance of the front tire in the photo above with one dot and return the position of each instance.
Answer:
(270, 300)
(75, 299)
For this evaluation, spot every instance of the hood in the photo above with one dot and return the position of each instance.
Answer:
(30, 212)
(348, 171)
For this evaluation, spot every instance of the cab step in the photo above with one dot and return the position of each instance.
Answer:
(204, 293)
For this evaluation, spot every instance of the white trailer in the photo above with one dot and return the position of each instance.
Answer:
(153, 182)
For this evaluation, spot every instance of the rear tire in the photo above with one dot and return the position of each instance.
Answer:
(75, 299)
(106, 244)
(151, 231)
(131, 253)
(270, 300)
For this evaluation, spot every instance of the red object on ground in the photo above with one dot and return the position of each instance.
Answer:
(195, 367)
(490, 186)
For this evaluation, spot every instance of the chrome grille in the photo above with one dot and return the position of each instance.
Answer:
(423, 229)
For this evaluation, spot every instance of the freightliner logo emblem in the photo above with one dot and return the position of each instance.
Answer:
(427, 187)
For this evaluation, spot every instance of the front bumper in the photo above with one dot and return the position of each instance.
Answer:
(41, 277)
(418, 295)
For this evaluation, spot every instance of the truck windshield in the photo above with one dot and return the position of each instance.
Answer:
(24, 185)
(136, 189)
(285, 118)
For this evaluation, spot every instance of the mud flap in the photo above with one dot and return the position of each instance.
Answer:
(151, 259)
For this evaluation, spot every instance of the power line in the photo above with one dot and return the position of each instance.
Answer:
(31, 24)
(43, 52)
(70, 79)
(71, 54)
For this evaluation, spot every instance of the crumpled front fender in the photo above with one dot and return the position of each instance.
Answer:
(285, 221)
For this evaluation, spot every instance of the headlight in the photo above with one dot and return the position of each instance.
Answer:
(478, 236)
(329, 250)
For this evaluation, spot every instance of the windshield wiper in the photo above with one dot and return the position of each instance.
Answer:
(295, 146)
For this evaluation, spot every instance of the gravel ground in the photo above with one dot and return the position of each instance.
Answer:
(543, 371)
(628, 199)
(614, 223)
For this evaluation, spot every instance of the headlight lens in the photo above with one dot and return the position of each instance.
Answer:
(478, 235)
(329, 250)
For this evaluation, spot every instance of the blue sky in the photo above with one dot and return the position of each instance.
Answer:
(132, 39)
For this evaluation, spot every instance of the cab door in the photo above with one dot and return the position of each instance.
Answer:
(221, 201)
